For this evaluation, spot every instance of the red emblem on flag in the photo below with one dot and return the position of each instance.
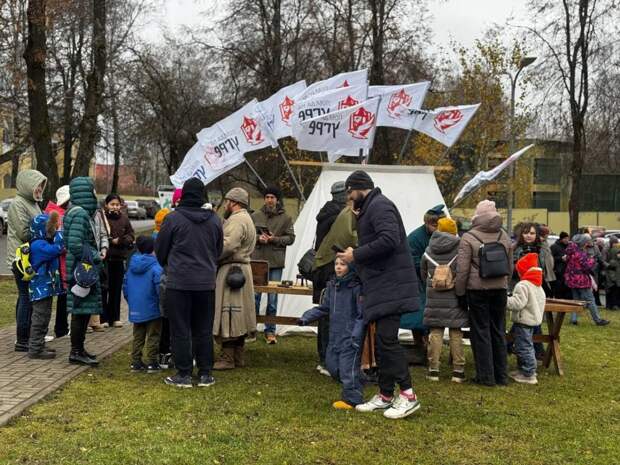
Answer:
(347, 102)
(398, 104)
(447, 119)
(251, 131)
(286, 110)
(345, 84)
(361, 123)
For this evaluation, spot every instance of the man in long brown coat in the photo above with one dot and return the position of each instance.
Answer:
(235, 317)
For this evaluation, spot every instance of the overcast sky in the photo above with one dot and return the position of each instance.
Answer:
(462, 20)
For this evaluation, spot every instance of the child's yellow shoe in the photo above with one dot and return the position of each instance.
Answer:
(342, 405)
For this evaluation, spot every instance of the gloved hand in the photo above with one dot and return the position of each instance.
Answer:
(462, 302)
(301, 322)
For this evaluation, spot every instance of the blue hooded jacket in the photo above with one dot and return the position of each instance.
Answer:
(45, 260)
(141, 288)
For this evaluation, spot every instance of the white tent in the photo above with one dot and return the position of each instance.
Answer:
(413, 189)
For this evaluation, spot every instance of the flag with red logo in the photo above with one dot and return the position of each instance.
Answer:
(327, 102)
(445, 124)
(348, 130)
(222, 146)
(350, 79)
(483, 177)
(277, 110)
(396, 101)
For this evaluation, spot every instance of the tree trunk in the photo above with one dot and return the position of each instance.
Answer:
(35, 54)
(116, 135)
(576, 171)
(89, 133)
(68, 135)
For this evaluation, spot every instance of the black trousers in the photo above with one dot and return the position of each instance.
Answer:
(164, 340)
(560, 289)
(487, 318)
(79, 324)
(112, 304)
(320, 277)
(190, 314)
(61, 325)
(612, 297)
(391, 359)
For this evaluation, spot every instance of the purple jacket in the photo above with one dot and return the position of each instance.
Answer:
(579, 265)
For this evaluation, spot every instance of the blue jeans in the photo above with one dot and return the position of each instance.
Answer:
(587, 296)
(524, 348)
(23, 308)
(275, 274)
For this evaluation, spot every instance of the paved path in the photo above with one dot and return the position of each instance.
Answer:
(24, 382)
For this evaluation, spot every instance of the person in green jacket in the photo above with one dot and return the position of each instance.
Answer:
(418, 242)
(79, 230)
(30, 187)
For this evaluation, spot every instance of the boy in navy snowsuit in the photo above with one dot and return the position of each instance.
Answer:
(342, 302)
(46, 247)
(141, 290)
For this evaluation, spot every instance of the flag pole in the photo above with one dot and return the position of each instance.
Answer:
(404, 147)
(290, 171)
(255, 173)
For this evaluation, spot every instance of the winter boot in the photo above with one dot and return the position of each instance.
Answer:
(238, 356)
(226, 359)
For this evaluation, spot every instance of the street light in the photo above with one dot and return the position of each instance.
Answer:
(525, 61)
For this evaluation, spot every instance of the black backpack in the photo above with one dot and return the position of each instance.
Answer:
(493, 258)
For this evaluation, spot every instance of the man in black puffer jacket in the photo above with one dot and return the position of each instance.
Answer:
(188, 247)
(390, 289)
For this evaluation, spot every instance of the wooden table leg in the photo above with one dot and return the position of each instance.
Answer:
(553, 348)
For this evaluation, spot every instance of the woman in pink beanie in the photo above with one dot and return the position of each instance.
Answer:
(176, 197)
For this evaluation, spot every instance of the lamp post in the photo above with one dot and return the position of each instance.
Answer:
(525, 61)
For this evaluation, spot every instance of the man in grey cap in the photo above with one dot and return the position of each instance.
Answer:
(235, 317)
(322, 274)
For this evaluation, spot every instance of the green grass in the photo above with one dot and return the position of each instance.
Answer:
(277, 411)
(8, 296)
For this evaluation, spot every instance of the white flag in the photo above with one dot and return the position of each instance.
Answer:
(484, 177)
(445, 124)
(396, 101)
(350, 79)
(277, 110)
(327, 102)
(208, 159)
(350, 129)
(245, 129)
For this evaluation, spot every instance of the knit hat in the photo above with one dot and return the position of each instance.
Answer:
(359, 180)
(447, 225)
(273, 190)
(437, 210)
(193, 193)
(62, 195)
(239, 195)
(159, 218)
(339, 192)
(485, 207)
(176, 196)
(529, 269)
(581, 239)
(145, 244)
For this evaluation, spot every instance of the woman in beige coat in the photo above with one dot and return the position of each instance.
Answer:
(235, 317)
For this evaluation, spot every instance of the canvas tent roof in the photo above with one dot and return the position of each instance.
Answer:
(413, 189)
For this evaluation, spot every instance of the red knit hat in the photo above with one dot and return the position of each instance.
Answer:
(529, 269)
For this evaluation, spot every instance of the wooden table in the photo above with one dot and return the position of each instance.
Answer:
(555, 310)
(273, 288)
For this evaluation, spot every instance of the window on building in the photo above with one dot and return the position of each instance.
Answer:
(546, 171)
(600, 193)
(548, 200)
(7, 181)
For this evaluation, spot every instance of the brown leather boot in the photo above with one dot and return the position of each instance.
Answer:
(238, 356)
(226, 359)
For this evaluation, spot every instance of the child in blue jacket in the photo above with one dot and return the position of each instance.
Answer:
(342, 301)
(46, 247)
(141, 290)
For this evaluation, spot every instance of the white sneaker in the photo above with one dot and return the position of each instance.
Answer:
(49, 338)
(321, 369)
(376, 403)
(401, 408)
(521, 378)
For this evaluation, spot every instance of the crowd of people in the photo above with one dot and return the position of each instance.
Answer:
(190, 284)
